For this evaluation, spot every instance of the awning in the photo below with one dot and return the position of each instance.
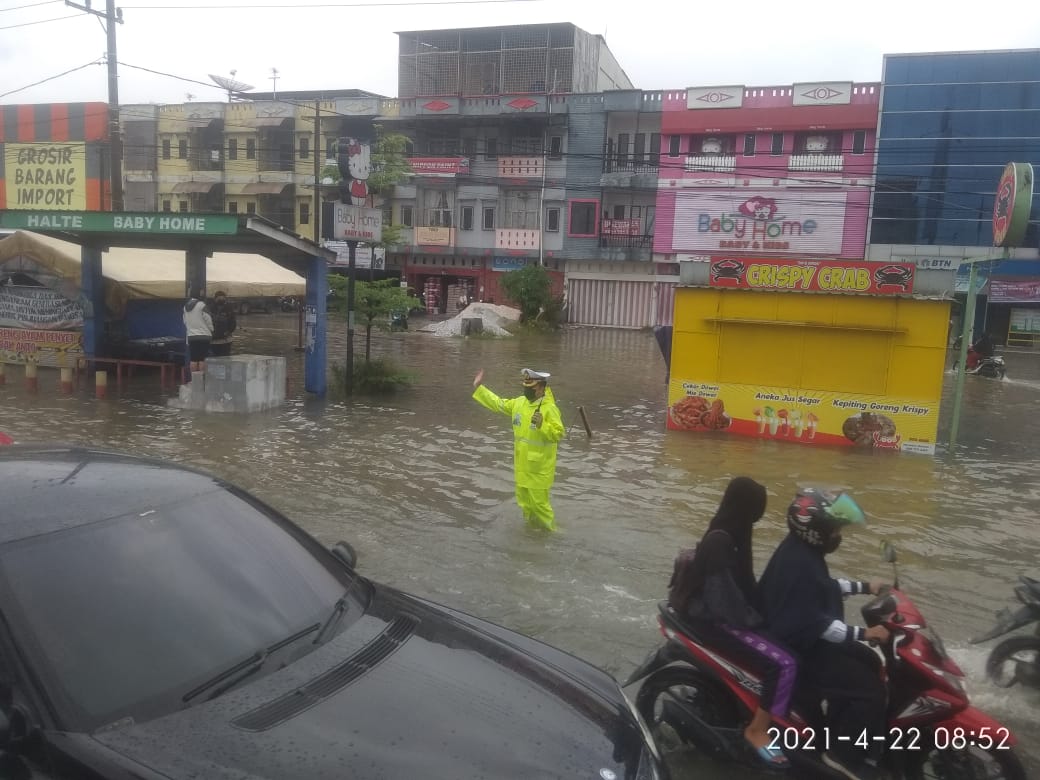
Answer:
(265, 188)
(267, 121)
(194, 186)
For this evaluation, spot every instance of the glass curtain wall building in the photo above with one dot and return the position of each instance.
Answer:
(949, 123)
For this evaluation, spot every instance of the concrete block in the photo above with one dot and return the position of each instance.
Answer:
(239, 383)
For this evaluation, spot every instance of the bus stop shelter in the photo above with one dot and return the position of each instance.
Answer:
(198, 236)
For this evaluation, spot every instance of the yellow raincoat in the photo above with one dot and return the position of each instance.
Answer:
(534, 450)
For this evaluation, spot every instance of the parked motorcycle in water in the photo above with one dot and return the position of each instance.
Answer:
(706, 699)
(1017, 658)
(989, 366)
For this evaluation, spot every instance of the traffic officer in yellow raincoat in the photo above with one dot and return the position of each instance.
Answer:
(537, 427)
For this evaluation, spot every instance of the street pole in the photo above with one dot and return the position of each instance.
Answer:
(352, 257)
(112, 15)
(969, 322)
(317, 172)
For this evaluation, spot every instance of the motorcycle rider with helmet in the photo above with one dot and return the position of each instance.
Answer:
(803, 608)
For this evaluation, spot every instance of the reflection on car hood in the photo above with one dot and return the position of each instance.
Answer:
(409, 690)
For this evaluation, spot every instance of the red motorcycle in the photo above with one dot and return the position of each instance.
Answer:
(706, 699)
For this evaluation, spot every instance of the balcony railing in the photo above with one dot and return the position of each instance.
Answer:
(520, 167)
(516, 238)
(630, 166)
(711, 163)
(640, 241)
(815, 162)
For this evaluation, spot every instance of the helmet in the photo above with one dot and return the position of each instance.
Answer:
(816, 516)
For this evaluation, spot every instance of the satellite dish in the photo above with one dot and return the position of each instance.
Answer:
(230, 85)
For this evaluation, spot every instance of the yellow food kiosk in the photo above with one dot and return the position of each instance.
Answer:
(812, 352)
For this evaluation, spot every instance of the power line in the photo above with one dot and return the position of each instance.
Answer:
(30, 5)
(50, 78)
(41, 21)
(326, 5)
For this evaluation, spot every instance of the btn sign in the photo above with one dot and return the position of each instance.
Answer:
(46, 176)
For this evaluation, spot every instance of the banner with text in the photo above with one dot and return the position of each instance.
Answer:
(357, 223)
(738, 219)
(812, 275)
(56, 348)
(804, 416)
(45, 176)
(38, 307)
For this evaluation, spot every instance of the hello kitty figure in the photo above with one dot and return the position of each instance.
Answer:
(359, 161)
(711, 146)
(817, 144)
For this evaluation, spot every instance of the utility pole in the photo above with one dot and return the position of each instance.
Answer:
(317, 171)
(112, 15)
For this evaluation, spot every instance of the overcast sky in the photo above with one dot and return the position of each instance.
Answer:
(660, 43)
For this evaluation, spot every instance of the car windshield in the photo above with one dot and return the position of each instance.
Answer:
(123, 617)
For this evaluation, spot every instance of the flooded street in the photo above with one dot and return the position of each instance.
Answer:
(421, 483)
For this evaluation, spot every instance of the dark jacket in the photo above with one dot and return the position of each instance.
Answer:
(718, 581)
(798, 595)
(224, 322)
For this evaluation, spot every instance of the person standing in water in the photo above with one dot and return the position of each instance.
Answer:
(537, 428)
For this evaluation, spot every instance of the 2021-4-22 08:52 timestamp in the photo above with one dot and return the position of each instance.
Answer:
(895, 738)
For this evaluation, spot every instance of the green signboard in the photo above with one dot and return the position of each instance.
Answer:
(162, 223)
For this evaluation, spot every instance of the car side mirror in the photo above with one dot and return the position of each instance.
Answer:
(346, 553)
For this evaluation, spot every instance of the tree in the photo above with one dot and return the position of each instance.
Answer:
(531, 289)
(374, 303)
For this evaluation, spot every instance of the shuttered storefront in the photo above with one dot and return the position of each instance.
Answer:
(619, 304)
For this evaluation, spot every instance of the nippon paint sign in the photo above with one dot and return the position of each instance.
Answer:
(739, 220)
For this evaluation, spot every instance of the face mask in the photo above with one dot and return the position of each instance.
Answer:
(529, 393)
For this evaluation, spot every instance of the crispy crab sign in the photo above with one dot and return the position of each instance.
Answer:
(812, 275)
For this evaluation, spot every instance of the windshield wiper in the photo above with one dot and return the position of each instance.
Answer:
(243, 669)
(337, 612)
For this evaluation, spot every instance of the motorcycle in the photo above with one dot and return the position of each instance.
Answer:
(989, 366)
(705, 700)
(1016, 659)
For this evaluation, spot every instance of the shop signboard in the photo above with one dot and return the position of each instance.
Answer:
(55, 348)
(356, 223)
(804, 416)
(1014, 290)
(439, 166)
(434, 236)
(45, 176)
(38, 308)
(740, 219)
(113, 222)
(364, 256)
(499, 263)
(834, 276)
(1012, 204)
(622, 227)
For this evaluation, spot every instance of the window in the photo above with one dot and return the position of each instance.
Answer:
(182, 149)
(777, 146)
(182, 205)
(640, 148)
(859, 141)
(166, 149)
(406, 216)
(655, 147)
(250, 148)
(529, 146)
(491, 149)
(488, 222)
(622, 149)
(467, 218)
(331, 148)
(232, 149)
(250, 208)
(552, 220)
(409, 148)
(583, 218)
(167, 205)
(439, 208)
(388, 214)
(305, 213)
(619, 212)
(556, 147)
(521, 210)
(749, 145)
(673, 146)
(469, 147)
(232, 207)
(305, 147)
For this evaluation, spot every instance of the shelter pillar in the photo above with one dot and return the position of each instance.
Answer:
(93, 290)
(195, 270)
(315, 324)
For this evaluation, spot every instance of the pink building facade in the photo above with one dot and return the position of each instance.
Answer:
(766, 171)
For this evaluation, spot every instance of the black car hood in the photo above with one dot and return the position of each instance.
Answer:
(408, 690)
